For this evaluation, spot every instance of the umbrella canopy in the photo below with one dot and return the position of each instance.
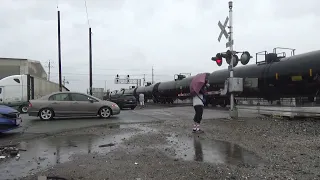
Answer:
(197, 83)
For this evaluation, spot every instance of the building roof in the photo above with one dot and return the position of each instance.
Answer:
(20, 59)
(34, 65)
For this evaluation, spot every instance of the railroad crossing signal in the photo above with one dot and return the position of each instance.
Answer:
(223, 29)
(229, 55)
(244, 59)
(126, 81)
(217, 59)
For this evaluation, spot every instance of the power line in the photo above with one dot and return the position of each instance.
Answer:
(98, 67)
(101, 82)
(112, 69)
(113, 75)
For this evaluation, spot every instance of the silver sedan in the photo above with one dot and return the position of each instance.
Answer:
(66, 104)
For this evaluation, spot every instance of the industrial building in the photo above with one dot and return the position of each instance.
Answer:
(17, 66)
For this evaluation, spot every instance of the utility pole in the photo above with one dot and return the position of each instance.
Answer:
(152, 76)
(90, 62)
(49, 66)
(59, 53)
(64, 81)
(144, 79)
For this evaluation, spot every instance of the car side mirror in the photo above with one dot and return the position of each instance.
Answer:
(90, 100)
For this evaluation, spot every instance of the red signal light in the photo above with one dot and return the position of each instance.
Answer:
(219, 59)
(219, 62)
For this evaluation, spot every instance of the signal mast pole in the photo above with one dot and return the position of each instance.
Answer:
(233, 114)
(59, 53)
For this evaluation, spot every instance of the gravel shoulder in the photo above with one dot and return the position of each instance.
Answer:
(250, 148)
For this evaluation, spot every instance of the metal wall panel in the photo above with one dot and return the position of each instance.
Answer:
(35, 68)
(8, 71)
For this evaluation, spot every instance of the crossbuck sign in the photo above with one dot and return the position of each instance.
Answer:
(223, 29)
(224, 32)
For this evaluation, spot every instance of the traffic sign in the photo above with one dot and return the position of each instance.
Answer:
(223, 29)
(230, 43)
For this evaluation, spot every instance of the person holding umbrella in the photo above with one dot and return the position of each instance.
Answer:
(197, 90)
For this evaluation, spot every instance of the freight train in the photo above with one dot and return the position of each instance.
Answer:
(277, 76)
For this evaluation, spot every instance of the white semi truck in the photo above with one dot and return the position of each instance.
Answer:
(17, 90)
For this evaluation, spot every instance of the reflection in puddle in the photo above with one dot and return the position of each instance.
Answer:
(43, 153)
(217, 152)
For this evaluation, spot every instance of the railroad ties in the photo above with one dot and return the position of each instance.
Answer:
(285, 108)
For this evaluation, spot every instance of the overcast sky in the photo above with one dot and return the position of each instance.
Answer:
(131, 36)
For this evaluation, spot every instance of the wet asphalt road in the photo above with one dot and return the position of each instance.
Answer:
(157, 143)
(33, 125)
(152, 113)
(43, 150)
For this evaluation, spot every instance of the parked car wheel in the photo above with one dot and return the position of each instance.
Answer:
(46, 114)
(24, 108)
(105, 112)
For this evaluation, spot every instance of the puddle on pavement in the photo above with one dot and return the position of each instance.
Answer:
(46, 152)
(217, 152)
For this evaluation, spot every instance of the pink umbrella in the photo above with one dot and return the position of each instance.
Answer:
(197, 83)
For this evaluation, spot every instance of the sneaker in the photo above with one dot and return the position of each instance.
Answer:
(198, 128)
(194, 128)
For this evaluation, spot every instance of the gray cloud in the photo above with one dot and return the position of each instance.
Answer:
(129, 37)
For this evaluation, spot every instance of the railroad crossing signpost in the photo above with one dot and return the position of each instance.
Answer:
(229, 44)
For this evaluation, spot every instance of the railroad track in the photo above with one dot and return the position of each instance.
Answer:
(291, 112)
(282, 111)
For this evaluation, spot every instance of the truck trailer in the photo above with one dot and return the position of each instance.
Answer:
(17, 90)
